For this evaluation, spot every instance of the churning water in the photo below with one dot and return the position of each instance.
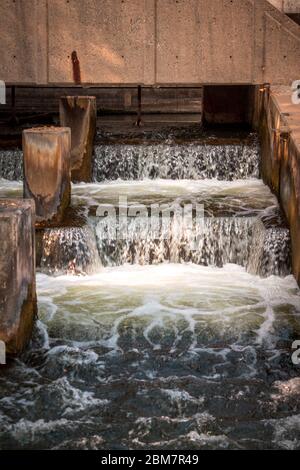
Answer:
(174, 161)
(11, 165)
(232, 211)
(156, 345)
(168, 356)
(169, 160)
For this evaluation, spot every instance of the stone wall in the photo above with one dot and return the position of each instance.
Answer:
(150, 42)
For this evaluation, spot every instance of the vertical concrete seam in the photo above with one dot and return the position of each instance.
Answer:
(155, 42)
(47, 39)
(253, 71)
(264, 47)
(40, 37)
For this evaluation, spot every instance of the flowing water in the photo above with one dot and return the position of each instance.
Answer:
(11, 165)
(171, 161)
(148, 341)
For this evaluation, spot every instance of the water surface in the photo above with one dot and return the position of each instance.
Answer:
(169, 356)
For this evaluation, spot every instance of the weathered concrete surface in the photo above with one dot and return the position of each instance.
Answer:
(280, 135)
(47, 173)
(79, 113)
(287, 6)
(150, 42)
(17, 273)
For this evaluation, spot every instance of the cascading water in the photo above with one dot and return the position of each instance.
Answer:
(69, 250)
(11, 165)
(173, 161)
(216, 241)
(167, 160)
(270, 245)
(166, 342)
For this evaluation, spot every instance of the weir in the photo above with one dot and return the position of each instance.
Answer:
(230, 222)
(164, 250)
(173, 161)
(214, 301)
(240, 224)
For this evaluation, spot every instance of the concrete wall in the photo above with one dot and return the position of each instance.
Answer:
(154, 42)
(278, 121)
(287, 6)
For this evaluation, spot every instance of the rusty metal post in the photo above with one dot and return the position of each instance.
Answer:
(76, 68)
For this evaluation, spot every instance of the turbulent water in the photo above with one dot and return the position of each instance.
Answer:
(161, 160)
(215, 242)
(70, 249)
(238, 197)
(226, 233)
(270, 251)
(174, 161)
(169, 356)
(11, 165)
(155, 342)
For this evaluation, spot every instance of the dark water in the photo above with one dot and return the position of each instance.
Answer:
(169, 356)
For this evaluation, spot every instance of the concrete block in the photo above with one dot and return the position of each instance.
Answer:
(79, 113)
(47, 174)
(18, 306)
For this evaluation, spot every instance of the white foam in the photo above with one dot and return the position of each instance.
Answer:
(177, 299)
(95, 193)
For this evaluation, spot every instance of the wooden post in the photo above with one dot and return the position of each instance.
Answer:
(18, 306)
(47, 177)
(80, 114)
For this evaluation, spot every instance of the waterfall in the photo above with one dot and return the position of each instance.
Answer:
(244, 241)
(176, 161)
(216, 241)
(161, 160)
(11, 165)
(154, 306)
(68, 251)
(224, 237)
(270, 251)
